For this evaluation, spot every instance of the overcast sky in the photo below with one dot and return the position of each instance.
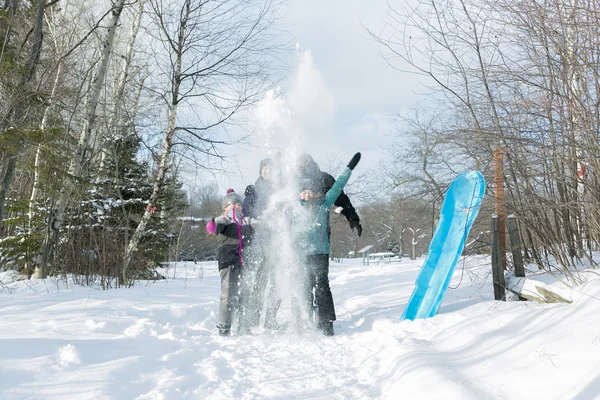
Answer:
(341, 93)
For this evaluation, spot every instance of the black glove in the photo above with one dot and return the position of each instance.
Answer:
(353, 162)
(356, 224)
(250, 191)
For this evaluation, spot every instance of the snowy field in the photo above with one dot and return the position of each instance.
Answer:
(158, 341)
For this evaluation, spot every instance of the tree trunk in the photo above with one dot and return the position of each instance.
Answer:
(168, 143)
(36, 166)
(120, 88)
(16, 112)
(158, 184)
(9, 173)
(56, 217)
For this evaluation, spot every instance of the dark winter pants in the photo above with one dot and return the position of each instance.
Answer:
(318, 278)
(230, 293)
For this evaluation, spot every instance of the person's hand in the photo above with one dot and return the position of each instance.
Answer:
(352, 164)
(307, 195)
(250, 191)
(211, 226)
(356, 224)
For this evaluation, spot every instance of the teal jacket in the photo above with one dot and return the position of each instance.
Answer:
(317, 241)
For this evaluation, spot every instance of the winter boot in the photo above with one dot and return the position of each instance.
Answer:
(327, 328)
(224, 330)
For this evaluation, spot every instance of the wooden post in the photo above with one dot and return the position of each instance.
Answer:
(499, 199)
(497, 265)
(515, 246)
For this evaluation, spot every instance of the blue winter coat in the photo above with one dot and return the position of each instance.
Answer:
(317, 240)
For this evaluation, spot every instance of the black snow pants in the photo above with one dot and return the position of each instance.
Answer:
(318, 278)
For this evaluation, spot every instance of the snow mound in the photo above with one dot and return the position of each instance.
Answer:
(68, 355)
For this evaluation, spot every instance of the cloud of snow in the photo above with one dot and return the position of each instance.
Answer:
(309, 97)
(288, 122)
(285, 123)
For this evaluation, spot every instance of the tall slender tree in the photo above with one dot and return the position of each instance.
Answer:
(82, 149)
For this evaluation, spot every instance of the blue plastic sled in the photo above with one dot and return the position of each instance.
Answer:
(459, 210)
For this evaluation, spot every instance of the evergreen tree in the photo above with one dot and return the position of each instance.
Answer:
(112, 207)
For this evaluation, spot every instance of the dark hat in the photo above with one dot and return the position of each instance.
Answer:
(308, 184)
(264, 163)
(302, 160)
(231, 198)
(306, 166)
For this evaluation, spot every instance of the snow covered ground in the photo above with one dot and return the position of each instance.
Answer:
(158, 341)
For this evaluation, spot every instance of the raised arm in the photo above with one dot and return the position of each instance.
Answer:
(336, 190)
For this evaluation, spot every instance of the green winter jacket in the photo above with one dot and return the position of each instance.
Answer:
(317, 240)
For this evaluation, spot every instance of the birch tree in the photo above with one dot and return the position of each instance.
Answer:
(52, 28)
(119, 90)
(82, 149)
(216, 55)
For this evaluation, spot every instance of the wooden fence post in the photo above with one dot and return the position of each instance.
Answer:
(499, 199)
(497, 264)
(515, 246)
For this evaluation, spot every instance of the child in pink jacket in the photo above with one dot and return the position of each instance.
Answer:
(232, 235)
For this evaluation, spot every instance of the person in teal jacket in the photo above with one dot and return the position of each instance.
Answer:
(316, 246)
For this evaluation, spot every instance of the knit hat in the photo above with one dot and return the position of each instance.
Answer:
(306, 166)
(308, 184)
(231, 198)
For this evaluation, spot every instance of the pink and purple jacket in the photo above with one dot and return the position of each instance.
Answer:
(233, 235)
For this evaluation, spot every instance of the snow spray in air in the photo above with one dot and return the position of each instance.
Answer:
(282, 122)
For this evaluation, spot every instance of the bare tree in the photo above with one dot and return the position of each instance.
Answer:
(216, 56)
(119, 89)
(422, 160)
(520, 75)
(82, 149)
